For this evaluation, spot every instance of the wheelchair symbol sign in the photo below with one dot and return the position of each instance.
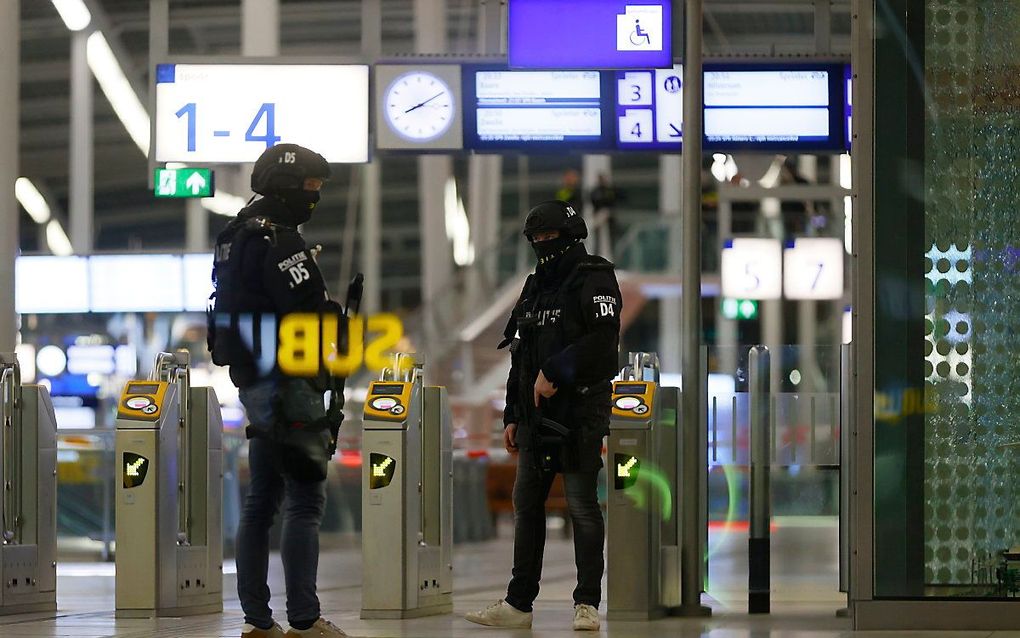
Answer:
(639, 28)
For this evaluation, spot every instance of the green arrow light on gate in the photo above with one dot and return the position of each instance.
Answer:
(623, 469)
(184, 182)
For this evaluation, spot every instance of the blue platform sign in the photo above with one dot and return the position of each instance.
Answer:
(590, 34)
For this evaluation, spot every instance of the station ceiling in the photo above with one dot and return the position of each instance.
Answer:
(128, 217)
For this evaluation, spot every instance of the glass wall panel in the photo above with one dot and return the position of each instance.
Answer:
(947, 461)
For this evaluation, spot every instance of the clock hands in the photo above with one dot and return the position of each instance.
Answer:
(418, 106)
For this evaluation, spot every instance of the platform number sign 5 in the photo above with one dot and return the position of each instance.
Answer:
(752, 268)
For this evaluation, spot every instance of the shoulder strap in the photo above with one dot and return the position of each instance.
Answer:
(511, 325)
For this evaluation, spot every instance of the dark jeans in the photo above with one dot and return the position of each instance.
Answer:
(530, 493)
(305, 502)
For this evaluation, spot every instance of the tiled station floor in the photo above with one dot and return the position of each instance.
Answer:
(805, 596)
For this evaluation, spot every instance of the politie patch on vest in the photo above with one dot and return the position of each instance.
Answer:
(296, 267)
(605, 306)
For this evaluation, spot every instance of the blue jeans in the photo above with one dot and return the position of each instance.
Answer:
(531, 489)
(268, 488)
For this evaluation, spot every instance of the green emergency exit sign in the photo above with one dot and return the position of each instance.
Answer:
(739, 308)
(184, 182)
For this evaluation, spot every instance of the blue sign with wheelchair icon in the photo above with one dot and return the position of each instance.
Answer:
(590, 34)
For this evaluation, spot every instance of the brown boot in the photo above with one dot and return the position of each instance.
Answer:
(249, 631)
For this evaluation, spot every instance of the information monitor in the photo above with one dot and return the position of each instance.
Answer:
(537, 110)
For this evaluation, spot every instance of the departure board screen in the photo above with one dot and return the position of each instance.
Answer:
(772, 107)
(535, 110)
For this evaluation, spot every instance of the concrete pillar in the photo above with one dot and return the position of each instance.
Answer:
(196, 226)
(598, 228)
(807, 312)
(370, 237)
(433, 173)
(670, 205)
(726, 330)
(81, 170)
(485, 184)
(771, 310)
(260, 27)
(9, 212)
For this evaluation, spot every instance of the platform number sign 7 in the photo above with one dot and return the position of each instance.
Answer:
(813, 268)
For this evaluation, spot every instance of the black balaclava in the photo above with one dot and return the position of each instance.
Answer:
(550, 249)
(299, 204)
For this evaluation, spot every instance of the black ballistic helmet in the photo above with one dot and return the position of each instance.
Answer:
(555, 215)
(285, 167)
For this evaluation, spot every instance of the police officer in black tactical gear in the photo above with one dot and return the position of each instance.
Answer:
(564, 339)
(263, 270)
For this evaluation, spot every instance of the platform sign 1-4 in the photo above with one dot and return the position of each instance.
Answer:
(231, 113)
(184, 182)
(589, 34)
(649, 109)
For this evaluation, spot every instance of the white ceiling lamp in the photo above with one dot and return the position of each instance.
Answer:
(118, 90)
(74, 13)
(57, 239)
(125, 101)
(32, 200)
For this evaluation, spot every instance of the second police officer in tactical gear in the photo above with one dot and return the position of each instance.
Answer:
(563, 336)
(263, 271)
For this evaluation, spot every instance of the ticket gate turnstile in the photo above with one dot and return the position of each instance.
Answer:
(643, 531)
(169, 493)
(407, 521)
(28, 465)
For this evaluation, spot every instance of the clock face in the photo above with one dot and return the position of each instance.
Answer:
(419, 106)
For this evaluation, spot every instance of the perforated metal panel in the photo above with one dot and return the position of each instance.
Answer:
(972, 327)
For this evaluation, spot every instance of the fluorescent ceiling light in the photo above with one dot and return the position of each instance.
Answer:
(458, 229)
(74, 13)
(223, 203)
(57, 239)
(118, 90)
(32, 200)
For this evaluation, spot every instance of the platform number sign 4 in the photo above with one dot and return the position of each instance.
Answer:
(752, 268)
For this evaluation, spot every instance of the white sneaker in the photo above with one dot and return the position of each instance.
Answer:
(321, 629)
(501, 614)
(586, 618)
